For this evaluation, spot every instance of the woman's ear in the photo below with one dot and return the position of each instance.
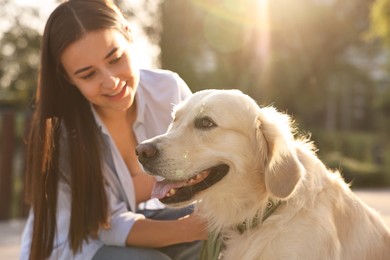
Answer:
(283, 170)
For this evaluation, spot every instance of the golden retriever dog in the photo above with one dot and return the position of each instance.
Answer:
(261, 188)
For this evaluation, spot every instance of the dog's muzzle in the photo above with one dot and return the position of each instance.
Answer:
(171, 191)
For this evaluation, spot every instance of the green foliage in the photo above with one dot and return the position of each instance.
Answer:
(293, 55)
(362, 158)
(358, 174)
(358, 145)
(380, 29)
(380, 21)
(382, 109)
(19, 48)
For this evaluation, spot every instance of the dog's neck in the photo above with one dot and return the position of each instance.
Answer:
(270, 208)
(213, 246)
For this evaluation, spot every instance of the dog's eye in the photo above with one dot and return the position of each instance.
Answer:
(204, 123)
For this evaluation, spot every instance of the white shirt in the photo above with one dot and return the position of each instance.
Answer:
(157, 92)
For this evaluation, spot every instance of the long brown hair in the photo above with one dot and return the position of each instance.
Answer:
(61, 110)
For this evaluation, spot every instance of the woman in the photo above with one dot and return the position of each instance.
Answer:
(93, 106)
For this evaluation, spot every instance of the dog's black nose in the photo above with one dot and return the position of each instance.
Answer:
(145, 151)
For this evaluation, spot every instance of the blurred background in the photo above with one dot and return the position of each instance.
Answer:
(325, 62)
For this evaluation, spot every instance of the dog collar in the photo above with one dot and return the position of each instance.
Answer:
(271, 207)
(213, 246)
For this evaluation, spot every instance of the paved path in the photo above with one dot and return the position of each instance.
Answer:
(379, 200)
(10, 238)
(10, 231)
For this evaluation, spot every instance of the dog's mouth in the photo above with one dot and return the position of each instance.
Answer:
(174, 192)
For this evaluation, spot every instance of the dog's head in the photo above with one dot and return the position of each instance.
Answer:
(218, 140)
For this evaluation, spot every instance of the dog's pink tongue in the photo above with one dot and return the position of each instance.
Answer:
(161, 188)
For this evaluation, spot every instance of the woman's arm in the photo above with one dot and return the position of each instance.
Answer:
(160, 233)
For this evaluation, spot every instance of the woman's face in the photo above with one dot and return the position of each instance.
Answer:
(100, 66)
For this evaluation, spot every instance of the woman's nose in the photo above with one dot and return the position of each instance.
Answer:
(109, 80)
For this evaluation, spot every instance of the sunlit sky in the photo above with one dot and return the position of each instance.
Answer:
(146, 54)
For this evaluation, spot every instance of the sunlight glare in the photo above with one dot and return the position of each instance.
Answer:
(263, 25)
(263, 50)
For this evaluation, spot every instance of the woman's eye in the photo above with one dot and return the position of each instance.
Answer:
(89, 75)
(204, 123)
(116, 60)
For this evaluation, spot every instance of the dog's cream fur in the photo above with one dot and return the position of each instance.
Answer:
(320, 217)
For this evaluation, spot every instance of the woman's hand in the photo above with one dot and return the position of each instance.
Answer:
(195, 226)
(161, 233)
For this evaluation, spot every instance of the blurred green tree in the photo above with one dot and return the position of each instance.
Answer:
(380, 21)
(380, 29)
(315, 72)
(19, 48)
(300, 56)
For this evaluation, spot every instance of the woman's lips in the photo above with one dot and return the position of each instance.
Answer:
(118, 94)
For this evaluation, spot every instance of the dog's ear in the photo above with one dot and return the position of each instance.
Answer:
(282, 167)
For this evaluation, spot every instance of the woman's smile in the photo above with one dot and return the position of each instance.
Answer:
(100, 66)
(119, 93)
